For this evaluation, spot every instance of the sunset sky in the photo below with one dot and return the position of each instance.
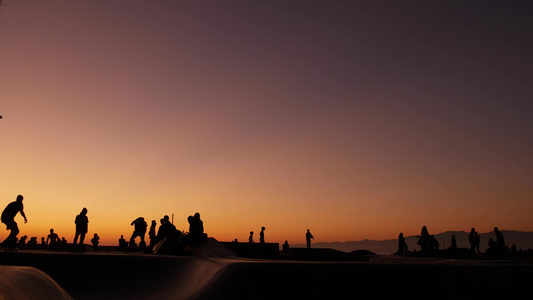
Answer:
(355, 119)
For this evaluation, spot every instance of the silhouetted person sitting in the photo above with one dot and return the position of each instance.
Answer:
(169, 239)
(472, 240)
(22, 242)
(82, 226)
(32, 244)
(95, 241)
(8, 218)
(454, 243)
(402, 246)
(308, 237)
(285, 247)
(165, 229)
(493, 247)
(424, 239)
(53, 240)
(251, 238)
(132, 246)
(160, 234)
(122, 245)
(152, 234)
(196, 229)
(262, 235)
(43, 244)
(139, 231)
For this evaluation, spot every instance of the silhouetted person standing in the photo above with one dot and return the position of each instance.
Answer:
(122, 245)
(152, 234)
(472, 240)
(251, 238)
(454, 243)
(82, 225)
(8, 218)
(308, 237)
(95, 241)
(402, 246)
(262, 235)
(425, 239)
(500, 242)
(139, 231)
(53, 240)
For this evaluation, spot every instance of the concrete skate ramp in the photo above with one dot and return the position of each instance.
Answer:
(28, 283)
(138, 276)
(119, 276)
(391, 279)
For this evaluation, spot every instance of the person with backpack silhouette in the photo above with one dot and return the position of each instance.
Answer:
(308, 237)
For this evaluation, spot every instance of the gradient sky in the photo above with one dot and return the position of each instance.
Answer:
(356, 119)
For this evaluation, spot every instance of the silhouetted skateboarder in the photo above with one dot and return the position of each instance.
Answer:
(8, 218)
(139, 231)
(82, 226)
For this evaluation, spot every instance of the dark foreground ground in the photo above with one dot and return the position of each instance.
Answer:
(139, 276)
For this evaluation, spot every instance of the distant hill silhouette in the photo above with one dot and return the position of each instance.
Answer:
(522, 240)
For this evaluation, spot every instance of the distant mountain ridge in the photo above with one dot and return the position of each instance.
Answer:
(522, 239)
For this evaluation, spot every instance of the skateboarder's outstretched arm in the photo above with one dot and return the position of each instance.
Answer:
(24, 215)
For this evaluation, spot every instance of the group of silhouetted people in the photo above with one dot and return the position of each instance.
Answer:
(196, 229)
(196, 234)
(165, 234)
(261, 236)
(53, 242)
(474, 240)
(140, 226)
(428, 242)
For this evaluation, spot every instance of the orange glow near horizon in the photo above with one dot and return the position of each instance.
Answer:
(345, 119)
